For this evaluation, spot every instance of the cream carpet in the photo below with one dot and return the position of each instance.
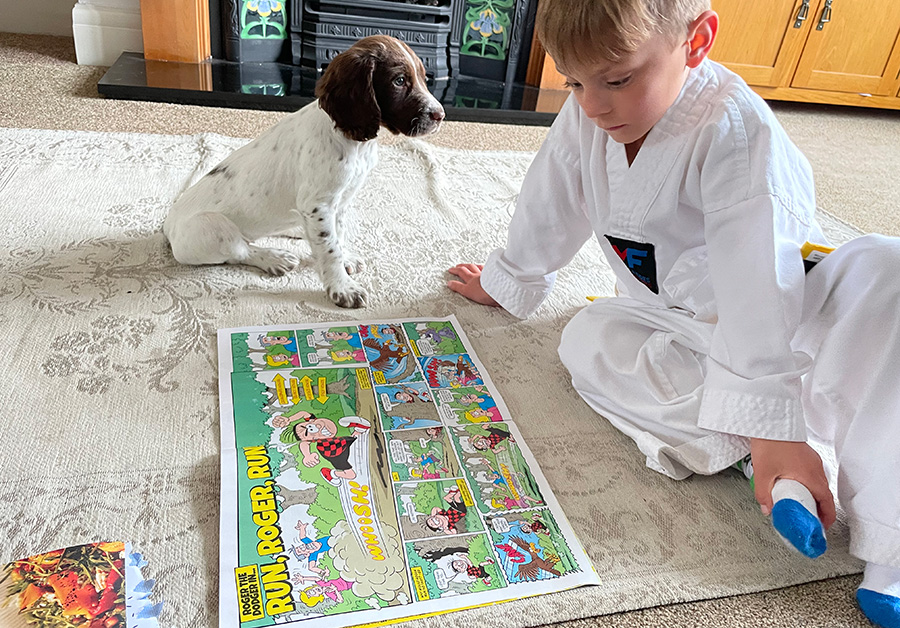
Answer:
(109, 424)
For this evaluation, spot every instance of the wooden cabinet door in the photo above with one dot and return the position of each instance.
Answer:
(761, 41)
(854, 49)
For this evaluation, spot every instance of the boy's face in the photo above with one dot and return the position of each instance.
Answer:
(627, 97)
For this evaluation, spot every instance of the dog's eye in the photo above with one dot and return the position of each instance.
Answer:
(400, 81)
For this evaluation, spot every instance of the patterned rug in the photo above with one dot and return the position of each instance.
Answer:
(110, 416)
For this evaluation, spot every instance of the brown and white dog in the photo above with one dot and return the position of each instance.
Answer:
(298, 178)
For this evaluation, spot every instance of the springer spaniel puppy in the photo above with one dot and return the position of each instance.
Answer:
(299, 177)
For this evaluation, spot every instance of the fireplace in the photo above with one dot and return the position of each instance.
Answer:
(321, 29)
(269, 54)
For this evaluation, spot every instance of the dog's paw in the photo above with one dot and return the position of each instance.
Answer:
(354, 264)
(349, 295)
(273, 261)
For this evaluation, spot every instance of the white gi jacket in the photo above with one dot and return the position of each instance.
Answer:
(709, 220)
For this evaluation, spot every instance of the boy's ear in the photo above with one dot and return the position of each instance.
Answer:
(701, 35)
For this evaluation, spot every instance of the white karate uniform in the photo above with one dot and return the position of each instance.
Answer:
(717, 334)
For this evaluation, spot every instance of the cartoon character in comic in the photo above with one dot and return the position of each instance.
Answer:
(345, 346)
(387, 352)
(443, 372)
(431, 456)
(320, 589)
(409, 405)
(270, 341)
(531, 570)
(310, 550)
(436, 335)
(534, 525)
(311, 432)
(457, 566)
(500, 498)
(492, 441)
(280, 350)
(445, 519)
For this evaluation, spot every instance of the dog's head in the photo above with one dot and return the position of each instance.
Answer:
(378, 81)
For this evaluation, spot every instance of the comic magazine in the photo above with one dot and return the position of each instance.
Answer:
(371, 472)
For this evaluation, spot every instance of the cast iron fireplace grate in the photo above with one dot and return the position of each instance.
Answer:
(322, 29)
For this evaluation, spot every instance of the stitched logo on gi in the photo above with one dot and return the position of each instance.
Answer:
(640, 259)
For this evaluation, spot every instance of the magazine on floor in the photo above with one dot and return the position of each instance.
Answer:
(372, 472)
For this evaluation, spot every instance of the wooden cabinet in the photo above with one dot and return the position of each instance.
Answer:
(761, 45)
(855, 50)
(844, 52)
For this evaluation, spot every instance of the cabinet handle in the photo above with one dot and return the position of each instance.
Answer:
(826, 16)
(802, 14)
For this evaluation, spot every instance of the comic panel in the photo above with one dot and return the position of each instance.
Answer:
(438, 508)
(270, 349)
(434, 338)
(318, 529)
(453, 566)
(388, 354)
(450, 371)
(471, 404)
(421, 455)
(530, 546)
(330, 346)
(496, 468)
(405, 406)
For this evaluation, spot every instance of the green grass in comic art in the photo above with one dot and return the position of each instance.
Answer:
(530, 546)
(270, 349)
(495, 467)
(434, 338)
(421, 455)
(405, 406)
(318, 532)
(453, 566)
(330, 346)
(438, 508)
(470, 404)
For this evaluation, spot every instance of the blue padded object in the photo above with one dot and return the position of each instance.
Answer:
(799, 527)
(879, 608)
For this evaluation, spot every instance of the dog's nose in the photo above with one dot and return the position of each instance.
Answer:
(437, 114)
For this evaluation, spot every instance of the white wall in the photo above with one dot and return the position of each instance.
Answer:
(47, 17)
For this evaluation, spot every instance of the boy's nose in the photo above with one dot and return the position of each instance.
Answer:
(596, 106)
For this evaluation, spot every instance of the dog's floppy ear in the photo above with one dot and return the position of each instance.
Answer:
(346, 93)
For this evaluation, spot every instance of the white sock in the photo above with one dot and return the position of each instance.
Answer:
(881, 579)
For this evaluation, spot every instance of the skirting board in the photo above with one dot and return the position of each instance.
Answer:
(103, 33)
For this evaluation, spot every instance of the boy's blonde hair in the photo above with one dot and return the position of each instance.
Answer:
(583, 32)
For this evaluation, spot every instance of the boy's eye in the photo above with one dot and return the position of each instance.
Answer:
(571, 85)
(620, 82)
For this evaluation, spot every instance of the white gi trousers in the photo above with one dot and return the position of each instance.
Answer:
(643, 367)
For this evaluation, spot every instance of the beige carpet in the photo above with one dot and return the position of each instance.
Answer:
(42, 88)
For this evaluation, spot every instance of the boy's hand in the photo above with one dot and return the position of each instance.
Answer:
(469, 284)
(775, 459)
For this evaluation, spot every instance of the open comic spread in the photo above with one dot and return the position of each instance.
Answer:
(371, 472)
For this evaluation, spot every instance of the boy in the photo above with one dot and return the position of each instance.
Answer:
(717, 342)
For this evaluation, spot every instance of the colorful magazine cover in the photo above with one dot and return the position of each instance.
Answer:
(98, 585)
(371, 472)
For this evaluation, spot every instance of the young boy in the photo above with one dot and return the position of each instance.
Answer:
(718, 342)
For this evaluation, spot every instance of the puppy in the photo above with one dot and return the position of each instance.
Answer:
(299, 177)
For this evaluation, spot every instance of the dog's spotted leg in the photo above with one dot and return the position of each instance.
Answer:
(353, 263)
(321, 231)
(273, 261)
